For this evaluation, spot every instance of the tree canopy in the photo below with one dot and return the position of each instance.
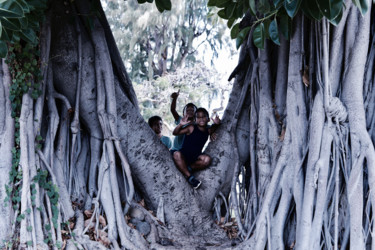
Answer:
(299, 125)
(153, 43)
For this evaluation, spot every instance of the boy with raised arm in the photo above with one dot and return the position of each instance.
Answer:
(189, 111)
(190, 157)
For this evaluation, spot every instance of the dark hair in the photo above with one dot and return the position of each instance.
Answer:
(190, 104)
(153, 119)
(203, 110)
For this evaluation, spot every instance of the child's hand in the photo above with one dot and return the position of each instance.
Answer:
(213, 136)
(184, 121)
(174, 95)
(216, 120)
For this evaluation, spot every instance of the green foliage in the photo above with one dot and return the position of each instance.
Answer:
(274, 32)
(58, 244)
(26, 78)
(19, 20)
(274, 17)
(43, 179)
(153, 44)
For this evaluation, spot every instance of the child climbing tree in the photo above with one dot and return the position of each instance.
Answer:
(299, 126)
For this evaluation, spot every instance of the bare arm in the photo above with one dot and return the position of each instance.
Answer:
(213, 128)
(182, 131)
(173, 105)
(179, 130)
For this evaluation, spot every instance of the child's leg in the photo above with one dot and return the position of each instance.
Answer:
(180, 162)
(202, 162)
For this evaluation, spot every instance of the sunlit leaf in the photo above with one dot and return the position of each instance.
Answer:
(274, 32)
(258, 36)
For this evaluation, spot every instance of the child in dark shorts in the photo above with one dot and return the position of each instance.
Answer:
(190, 157)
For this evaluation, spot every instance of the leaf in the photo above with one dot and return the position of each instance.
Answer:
(11, 9)
(274, 32)
(230, 10)
(24, 5)
(240, 10)
(37, 4)
(15, 37)
(362, 5)
(211, 3)
(266, 24)
(258, 36)
(292, 6)
(141, 1)
(6, 34)
(276, 3)
(264, 6)
(163, 5)
(230, 22)
(311, 9)
(222, 14)
(253, 7)
(337, 19)
(330, 9)
(285, 26)
(29, 35)
(223, 3)
(3, 49)
(11, 24)
(235, 30)
(241, 36)
(24, 23)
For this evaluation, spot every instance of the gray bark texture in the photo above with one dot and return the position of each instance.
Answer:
(293, 165)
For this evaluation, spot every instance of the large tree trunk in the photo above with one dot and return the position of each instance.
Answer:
(298, 126)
